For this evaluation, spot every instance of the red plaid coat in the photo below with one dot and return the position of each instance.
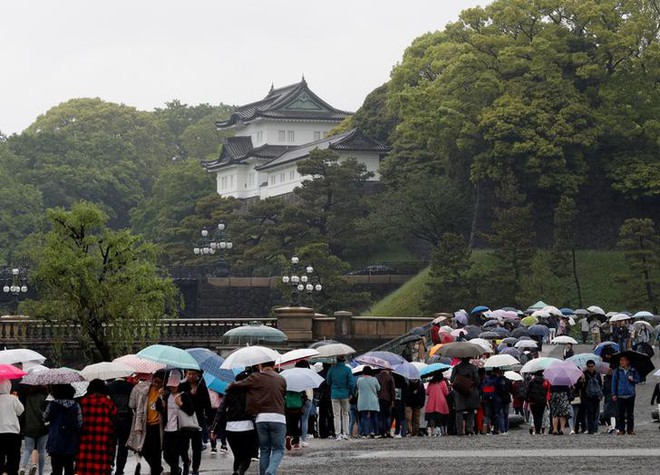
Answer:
(96, 449)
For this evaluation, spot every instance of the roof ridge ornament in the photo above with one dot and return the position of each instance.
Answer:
(303, 79)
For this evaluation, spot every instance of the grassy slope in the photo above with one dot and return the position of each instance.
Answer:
(596, 270)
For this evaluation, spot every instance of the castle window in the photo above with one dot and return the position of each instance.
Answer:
(292, 175)
(281, 135)
(291, 136)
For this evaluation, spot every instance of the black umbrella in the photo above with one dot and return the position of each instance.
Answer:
(640, 361)
(409, 338)
(503, 332)
(490, 335)
(645, 348)
(472, 331)
(518, 332)
(461, 349)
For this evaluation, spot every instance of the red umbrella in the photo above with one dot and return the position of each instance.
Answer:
(8, 371)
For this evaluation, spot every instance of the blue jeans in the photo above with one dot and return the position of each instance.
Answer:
(304, 421)
(29, 445)
(271, 446)
(369, 421)
(353, 419)
(503, 416)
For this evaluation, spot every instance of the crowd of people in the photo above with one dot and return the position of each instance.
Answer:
(172, 415)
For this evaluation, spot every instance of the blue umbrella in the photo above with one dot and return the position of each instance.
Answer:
(599, 349)
(434, 368)
(480, 308)
(538, 330)
(220, 382)
(407, 370)
(581, 359)
(567, 311)
(208, 361)
(502, 331)
(515, 352)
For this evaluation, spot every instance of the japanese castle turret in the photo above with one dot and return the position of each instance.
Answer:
(273, 134)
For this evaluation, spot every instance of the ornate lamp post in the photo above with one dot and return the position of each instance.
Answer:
(307, 282)
(15, 285)
(214, 242)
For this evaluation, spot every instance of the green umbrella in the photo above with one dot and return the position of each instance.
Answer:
(529, 321)
(171, 356)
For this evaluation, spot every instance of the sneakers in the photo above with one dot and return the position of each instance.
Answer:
(287, 442)
(214, 452)
(304, 444)
(224, 449)
(397, 436)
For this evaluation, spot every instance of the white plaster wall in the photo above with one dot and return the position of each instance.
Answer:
(303, 131)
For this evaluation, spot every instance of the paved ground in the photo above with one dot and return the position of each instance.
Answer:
(517, 452)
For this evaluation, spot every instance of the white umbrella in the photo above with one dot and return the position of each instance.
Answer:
(35, 368)
(107, 370)
(552, 310)
(484, 344)
(300, 379)
(619, 317)
(296, 355)
(540, 314)
(250, 356)
(332, 350)
(596, 310)
(538, 364)
(513, 376)
(563, 340)
(358, 369)
(501, 361)
(21, 355)
(643, 314)
(526, 344)
(639, 324)
(419, 365)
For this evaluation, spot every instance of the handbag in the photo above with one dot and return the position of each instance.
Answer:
(187, 422)
(463, 385)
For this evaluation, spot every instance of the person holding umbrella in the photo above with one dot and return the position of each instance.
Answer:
(624, 379)
(465, 380)
(65, 420)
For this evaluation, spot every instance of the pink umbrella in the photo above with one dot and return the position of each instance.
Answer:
(562, 373)
(140, 364)
(8, 371)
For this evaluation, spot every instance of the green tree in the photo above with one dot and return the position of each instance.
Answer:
(564, 259)
(449, 286)
(641, 245)
(104, 281)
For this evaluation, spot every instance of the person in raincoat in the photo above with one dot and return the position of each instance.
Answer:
(64, 417)
(468, 401)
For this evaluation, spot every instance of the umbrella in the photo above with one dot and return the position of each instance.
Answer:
(322, 343)
(334, 349)
(644, 347)
(501, 332)
(461, 349)
(540, 314)
(596, 310)
(538, 330)
(52, 376)
(526, 344)
(642, 323)
(107, 370)
(501, 361)
(434, 349)
(439, 320)
(36, 368)
(529, 321)
(511, 351)
(472, 331)
(219, 380)
(580, 360)
(294, 356)
(434, 368)
(489, 324)
(374, 361)
(538, 364)
(601, 347)
(640, 361)
(250, 356)
(461, 317)
(20, 355)
(140, 365)
(581, 312)
(419, 365)
(300, 379)
(513, 376)
(479, 309)
(510, 340)
(392, 358)
(410, 338)
(173, 357)
(567, 311)
(562, 373)
(564, 340)
(519, 332)
(538, 305)
(489, 335)
(208, 361)
(484, 344)
(643, 314)
(619, 317)
(552, 310)
(8, 371)
(445, 337)
(458, 332)
(407, 370)
(358, 369)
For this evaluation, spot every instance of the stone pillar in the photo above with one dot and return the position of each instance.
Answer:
(296, 322)
(343, 323)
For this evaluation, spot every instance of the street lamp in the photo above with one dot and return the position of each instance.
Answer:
(15, 285)
(215, 242)
(307, 282)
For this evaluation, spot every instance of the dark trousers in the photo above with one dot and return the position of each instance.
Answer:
(10, 453)
(123, 429)
(151, 449)
(537, 415)
(61, 464)
(579, 422)
(591, 411)
(625, 413)
(326, 419)
(293, 426)
(191, 438)
(585, 336)
(243, 446)
(172, 450)
(384, 417)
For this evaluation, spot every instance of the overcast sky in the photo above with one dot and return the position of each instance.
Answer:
(144, 53)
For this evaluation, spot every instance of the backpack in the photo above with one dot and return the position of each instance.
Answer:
(503, 388)
(536, 393)
(520, 390)
(293, 400)
(593, 389)
(488, 389)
